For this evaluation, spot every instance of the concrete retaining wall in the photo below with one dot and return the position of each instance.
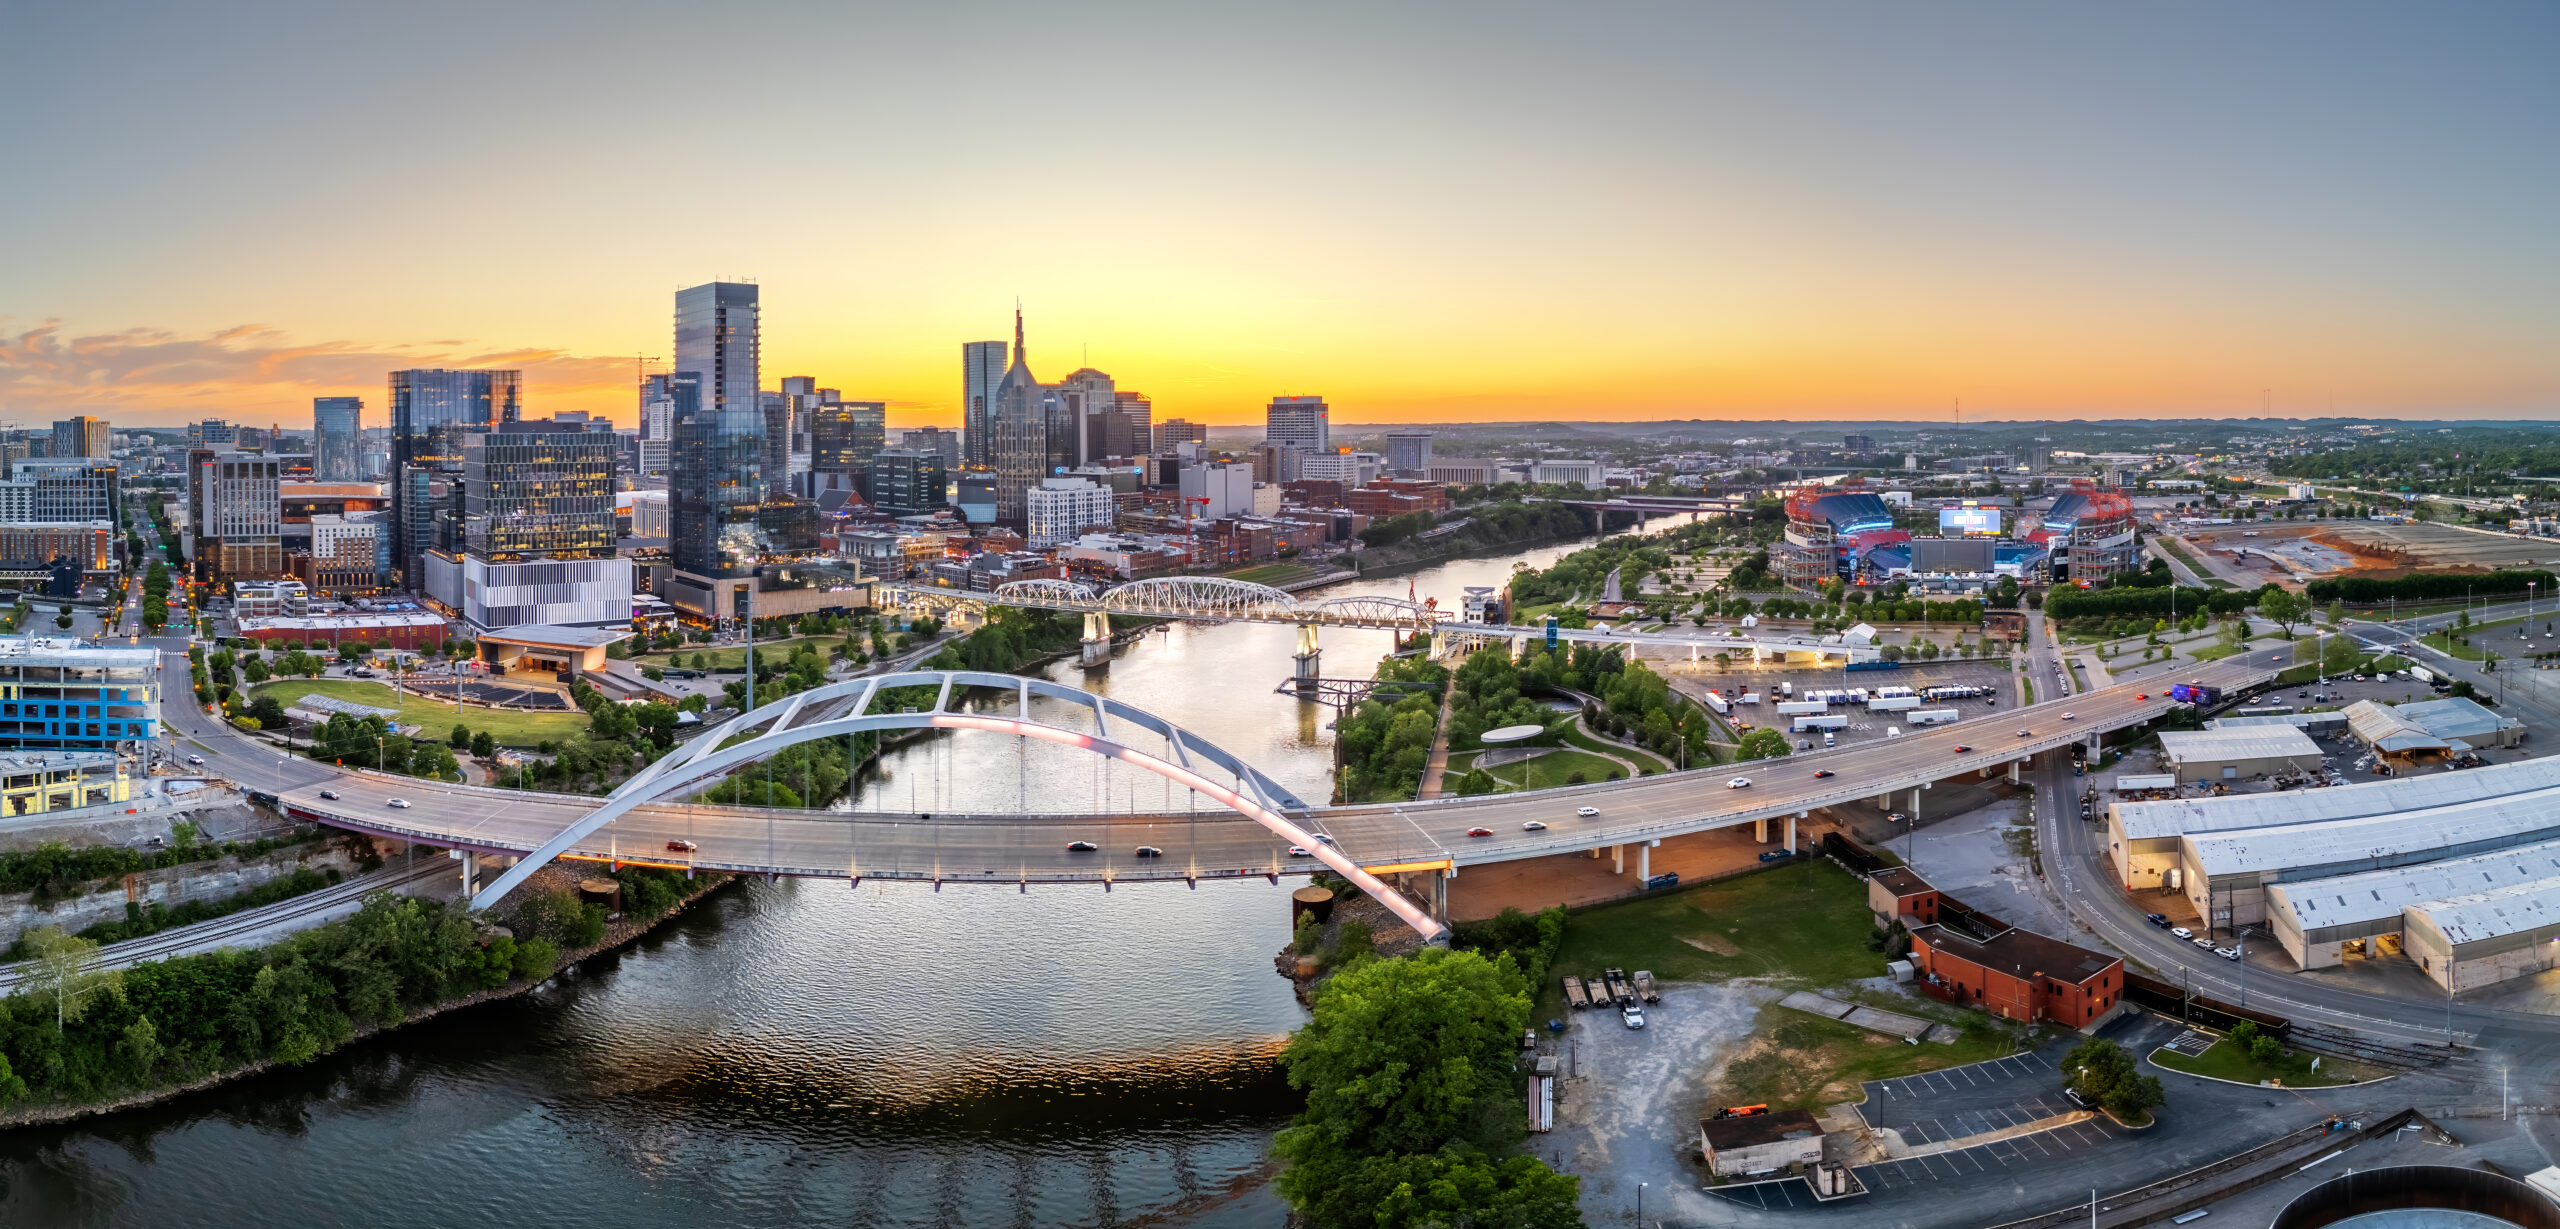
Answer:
(214, 880)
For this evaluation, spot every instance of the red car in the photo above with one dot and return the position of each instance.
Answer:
(2142, 695)
(1479, 832)
(1961, 748)
(682, 846)
(1820, 775)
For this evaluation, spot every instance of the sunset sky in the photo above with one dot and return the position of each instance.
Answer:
(1423, 212)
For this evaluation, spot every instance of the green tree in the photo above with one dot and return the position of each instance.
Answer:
(2339, 653)
(64, 968)
(461, 737)
(1444, 1190)
(2284, 608)
(1764, 743)
(1405, 1055)
(484, 745)
(2100, 1070)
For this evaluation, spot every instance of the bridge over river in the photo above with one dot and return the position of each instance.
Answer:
(1250, 837)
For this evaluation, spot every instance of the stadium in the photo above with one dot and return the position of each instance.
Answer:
(2089, 532)
(1830, 533)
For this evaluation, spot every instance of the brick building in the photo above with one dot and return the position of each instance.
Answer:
(1896, 892)
(2019, 975)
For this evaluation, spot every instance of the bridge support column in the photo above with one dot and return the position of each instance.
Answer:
(1617, 859)
(470, 873)
(2013, 772)
(1791, 828)
(1915, 802)
(1644, 861)
(1308, 660)
(1097, 639)
(1760, 831)
(1440, 895)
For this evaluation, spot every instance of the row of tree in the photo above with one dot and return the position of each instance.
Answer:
(1386, 743)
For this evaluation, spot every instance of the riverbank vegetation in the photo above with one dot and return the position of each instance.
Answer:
(76, 1033)
(1411, 1070)
(1385, 744)
(144, 920)
(55, 871)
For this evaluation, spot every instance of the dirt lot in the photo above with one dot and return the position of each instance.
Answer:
(2366, 548)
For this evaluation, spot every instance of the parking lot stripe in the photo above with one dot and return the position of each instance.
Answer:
(1978, 1166)
(1967, 1072)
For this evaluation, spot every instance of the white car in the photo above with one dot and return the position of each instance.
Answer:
(196, 760)
(1738, 783)
(2227, 953)
(2182, 932)
(2069, 717)
(398, 804)
(1533, 826)
(1299, 851)
(1632, 1017)
(1589, 812)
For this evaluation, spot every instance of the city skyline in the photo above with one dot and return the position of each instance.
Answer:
(1616, 214)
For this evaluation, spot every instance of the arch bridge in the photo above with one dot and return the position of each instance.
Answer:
(843, 709)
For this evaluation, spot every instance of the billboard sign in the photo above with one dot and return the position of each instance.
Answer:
(1969, 522)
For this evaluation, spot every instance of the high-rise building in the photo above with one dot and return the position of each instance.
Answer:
(939, 440)
(1409, 452)
(1092, 405)
(1034, 436)
(432, 409)
(537, 531)
(845, 436)
(337, 437)
(73, 488)
(82, 436)
(1062, 509)
(235, 514)
(718, 482)
(982, 366)
(773, 460)
(212, 431)
(1134, 433)
(907, 481)
(1302, 421)
(1856, 442)
(799, 456)
(1173, 431)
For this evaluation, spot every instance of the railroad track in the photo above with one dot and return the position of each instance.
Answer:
(213, 932)
(2347, 1045)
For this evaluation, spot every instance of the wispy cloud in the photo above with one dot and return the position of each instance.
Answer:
(155, 377)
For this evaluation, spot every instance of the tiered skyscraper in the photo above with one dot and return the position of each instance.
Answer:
(1034, 435)
(431, 411)
(717, 489)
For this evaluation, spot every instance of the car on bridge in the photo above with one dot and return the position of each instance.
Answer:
(1082, 847)
(1149, 851)
(330, 794)
(2026, 733)
(398, 804)
(1533, 826)
(2142, 695)
(1821, 774)
(2068, 715)
(1479, 832)
(1299, 851)
(680, 845)
(1962, 748)
(1738, 783)
(1588, 812)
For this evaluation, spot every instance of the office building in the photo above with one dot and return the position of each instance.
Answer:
(1409, 453)
(773, 460)
(73, 488)
(1226, 487)
(718, 419)
(1341, 465)
(846, 435)
(81, 437)
(234, 516)
(432, 409)
(1855, 442)
(1303, 421)
(346, 555)
(1173, 432)
(941, 441)
(55, 694)
(974, 493)
(1034, 436)
(1092, 406)
(1062, 509)
(906, 481)
(57, 558)
(982, 367)
(212, 431)
(337, 437)
(537, 532)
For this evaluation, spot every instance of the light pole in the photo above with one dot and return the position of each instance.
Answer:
(1640, 1204)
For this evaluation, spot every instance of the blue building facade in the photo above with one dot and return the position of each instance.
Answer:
(59, 694)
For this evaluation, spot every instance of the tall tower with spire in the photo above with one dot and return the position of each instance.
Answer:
(1027, 428)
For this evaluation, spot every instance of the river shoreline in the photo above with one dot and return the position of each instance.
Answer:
(618, 935)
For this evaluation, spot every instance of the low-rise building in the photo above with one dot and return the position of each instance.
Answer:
(2237, 754)
(37, 782)
(387, 630)
(61, 694)
(1898, 893)
(1760, 1143)
(269, 599)
(2019, 975)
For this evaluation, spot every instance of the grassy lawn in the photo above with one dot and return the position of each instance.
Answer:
(2225, 1061)
(2212, 652)
(1805, 923)
(2031, 690)
(511, 728)
(2171, 544)
(1273, 573)
(1798, 1061)
(1642, 759)
(1556, 768)
(2445, 643)
(734, 657)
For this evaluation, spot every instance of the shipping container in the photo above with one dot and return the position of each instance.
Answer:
(1834, 722)
(1932, 716)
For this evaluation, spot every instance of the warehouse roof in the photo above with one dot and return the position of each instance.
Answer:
(2373, 842)
(2492, 914)
(2382, 728)
(2155, 820)
(2199, 746)
(2300, 721)
(2370, 897)
(2456, 717)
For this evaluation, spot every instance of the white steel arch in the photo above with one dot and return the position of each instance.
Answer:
(1260, 799)
(1060, 592)
(1215, 596)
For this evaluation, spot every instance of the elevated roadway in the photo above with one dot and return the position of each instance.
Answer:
(1209, 844)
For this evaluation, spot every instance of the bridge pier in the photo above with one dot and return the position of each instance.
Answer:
(1791, 828)
(1440, 894)
(1308, 661)
(1097, 640)
(1760, 831)
(2013, 771)
(470, 872)
(1617, 859)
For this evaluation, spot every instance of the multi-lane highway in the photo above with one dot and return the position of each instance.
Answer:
(1033, 848)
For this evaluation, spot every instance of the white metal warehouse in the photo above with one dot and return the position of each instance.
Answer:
(2227, 873)
(2323, 922)
(2472, 941)
(2238, 754)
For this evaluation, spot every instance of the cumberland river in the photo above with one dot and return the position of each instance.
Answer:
(806, 1054)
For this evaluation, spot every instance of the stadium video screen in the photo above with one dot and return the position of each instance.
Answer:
(1960, 522)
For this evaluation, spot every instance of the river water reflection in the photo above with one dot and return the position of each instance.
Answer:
(805, 1054)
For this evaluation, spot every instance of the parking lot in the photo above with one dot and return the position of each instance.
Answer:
(1863, 725)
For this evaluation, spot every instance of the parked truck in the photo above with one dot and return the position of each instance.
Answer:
(1893, 704)
(1835, 721)
(1717, 703)
(1792, 708)
(1787, 689)
(1931, 716)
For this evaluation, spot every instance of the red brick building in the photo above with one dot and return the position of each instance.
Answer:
(1896, 892)
(2019, 975)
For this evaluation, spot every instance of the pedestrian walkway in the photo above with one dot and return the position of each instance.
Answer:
(1436, 769)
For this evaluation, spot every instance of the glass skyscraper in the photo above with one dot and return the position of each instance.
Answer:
(719, 431)
(982, 366)
(538, 490)
(431, 410)
(846, 435)
(337, 437)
